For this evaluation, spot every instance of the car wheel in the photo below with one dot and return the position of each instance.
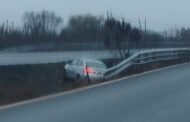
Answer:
(77, 78)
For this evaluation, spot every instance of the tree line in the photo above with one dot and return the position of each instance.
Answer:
(47, 27)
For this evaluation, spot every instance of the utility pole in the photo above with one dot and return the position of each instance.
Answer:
(140, 26)
(107, 15)
(145, 28)
(145, 32)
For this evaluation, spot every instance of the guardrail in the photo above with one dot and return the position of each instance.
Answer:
(148, 56)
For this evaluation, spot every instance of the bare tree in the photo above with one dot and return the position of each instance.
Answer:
(42, 23)
(84, 28)
(135, 37)
(120, 36)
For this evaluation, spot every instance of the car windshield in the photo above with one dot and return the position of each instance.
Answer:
(96, 65)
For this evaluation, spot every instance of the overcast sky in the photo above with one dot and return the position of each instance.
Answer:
(160, 14)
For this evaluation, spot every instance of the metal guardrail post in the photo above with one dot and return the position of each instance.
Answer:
(87, 75)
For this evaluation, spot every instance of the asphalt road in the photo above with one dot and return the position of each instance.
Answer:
(162, 96)
(22, 58)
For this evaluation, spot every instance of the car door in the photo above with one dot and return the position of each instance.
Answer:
(78, 68)
(69, 69)
(75, 68)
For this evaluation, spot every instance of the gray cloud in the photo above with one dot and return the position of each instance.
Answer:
(160, 14)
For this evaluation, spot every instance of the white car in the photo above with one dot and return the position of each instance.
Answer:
(85, 69)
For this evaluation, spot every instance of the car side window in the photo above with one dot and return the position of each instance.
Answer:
(74, 62)
(79, 63)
